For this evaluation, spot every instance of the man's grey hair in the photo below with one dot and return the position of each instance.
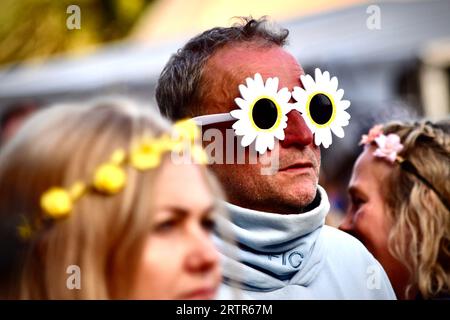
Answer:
(179, 91)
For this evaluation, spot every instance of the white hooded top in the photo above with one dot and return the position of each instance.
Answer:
(296, 256)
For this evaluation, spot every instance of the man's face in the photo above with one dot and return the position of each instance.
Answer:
(294, 184)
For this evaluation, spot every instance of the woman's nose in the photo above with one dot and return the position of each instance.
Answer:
(202, 254)
(296, 132)
(347, 223)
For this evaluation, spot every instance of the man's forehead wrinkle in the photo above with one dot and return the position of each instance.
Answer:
(220, 88)
(237, 73)
(231, 65)
(279, 64)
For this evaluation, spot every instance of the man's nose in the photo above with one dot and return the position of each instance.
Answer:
(202, 256)
(296, 132)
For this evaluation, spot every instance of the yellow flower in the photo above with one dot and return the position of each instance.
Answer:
(56, 203)
(166, 143)
(147, 154)
(77, 190)
(118, 157)
(186, 130)
(109, 178)
(199, 155)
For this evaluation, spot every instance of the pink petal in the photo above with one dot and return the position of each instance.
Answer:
(391, 157)
(378, 153)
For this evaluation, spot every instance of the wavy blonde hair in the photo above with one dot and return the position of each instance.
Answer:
(420, 234)
(103, 235)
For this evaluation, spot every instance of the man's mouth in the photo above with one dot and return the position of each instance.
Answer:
(298, 167)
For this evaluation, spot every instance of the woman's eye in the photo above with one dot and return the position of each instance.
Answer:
(356, 201)
(208, 224)
(355, 204)
(166, 226)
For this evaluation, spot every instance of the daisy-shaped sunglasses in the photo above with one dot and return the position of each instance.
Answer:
(263, 109)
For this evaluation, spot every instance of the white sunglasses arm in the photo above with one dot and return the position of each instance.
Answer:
(213, 118)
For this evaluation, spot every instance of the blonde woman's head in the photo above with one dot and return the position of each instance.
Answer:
(150, 240)
(403, 217)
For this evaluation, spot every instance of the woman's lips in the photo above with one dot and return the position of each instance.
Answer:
(200, 294)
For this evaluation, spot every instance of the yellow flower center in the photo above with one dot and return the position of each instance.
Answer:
(186, 130)
(56, 202)
(146, 155)
(109, 178)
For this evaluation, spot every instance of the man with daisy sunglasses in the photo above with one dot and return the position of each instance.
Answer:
(241, 78)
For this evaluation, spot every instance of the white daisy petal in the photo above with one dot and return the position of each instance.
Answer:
(339, 94)
(241, 127)
(279, 134)
(326, 77)
(295, 106)
(308, 82)
(318, 75)
(326, 137)
(245, 93)
(317, 139)
(238, 113)
(259, 81)
(300, 98)
(241, 103)
(250, 83)
(270, 141)
(344, 115)
(341, 120)
(271, 86)
(298, 91)
(248, 139)
(283, 123)
(343, 123)
(261, 143)
(338, 131)
(334, 84)
(344, 104)
(289, 107)
(284, 95)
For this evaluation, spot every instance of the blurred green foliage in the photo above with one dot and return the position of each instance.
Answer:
(36, 29)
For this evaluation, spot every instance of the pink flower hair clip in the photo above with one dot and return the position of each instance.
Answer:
(388, 145)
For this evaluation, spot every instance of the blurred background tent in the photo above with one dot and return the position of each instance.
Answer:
(399, 70)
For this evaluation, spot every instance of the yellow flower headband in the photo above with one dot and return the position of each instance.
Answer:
(110, 177)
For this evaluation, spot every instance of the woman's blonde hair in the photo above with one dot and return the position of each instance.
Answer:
(103, 234)
(420, 234)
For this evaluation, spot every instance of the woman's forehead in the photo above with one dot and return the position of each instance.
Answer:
(370, 170)
(182, 183)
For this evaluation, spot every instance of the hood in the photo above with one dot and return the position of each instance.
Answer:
(265, 251)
